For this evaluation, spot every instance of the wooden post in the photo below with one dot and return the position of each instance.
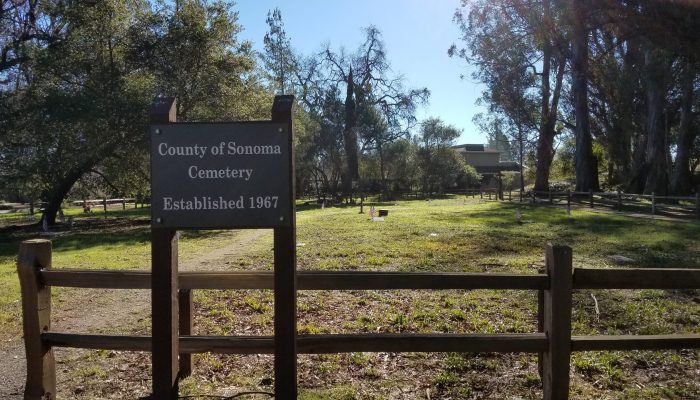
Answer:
(164, 289)
(186, 308)
(568, 199)
(557, 323)
(510, 195)
(619, 201)
(123, 203)
(489, 195)
(590, 197)
(35, 255)
(533, 196)
(697, 204)
(31, 206)
(104, 205)
(285, 323)
(653, 203)
(482, 194)
(551, 201)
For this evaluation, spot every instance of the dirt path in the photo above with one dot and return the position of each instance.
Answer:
(110, 311)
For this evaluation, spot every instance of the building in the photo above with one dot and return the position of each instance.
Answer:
(486, 161)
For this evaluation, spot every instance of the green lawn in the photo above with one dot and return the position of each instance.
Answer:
(440, 235)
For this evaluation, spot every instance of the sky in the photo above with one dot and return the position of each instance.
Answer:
(417, 34)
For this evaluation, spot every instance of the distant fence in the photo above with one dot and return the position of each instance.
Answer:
(552, 341)
(21, 214)
(674, 206)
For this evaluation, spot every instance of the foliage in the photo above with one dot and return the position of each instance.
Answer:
(441, 167)
(604, 71)
(278, 59)
(76, 110)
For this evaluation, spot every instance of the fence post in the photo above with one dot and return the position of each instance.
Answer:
(104, 205)
(36, 318)
(653, 203)
(510, 195)
(540, 324)
(568, 199)
(186, 322)
(557, 323)
(533, 196)
(590, 197)
(550, 197)
(619, 200)
(697, 204)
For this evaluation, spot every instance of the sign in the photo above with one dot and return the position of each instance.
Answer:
(220, 175)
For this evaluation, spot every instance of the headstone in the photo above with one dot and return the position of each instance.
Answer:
(620, 259)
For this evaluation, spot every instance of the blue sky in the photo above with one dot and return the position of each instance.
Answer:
(417, 34)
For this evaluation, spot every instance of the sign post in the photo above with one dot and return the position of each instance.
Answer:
(285, 275)
(221, 176)
(164, 285)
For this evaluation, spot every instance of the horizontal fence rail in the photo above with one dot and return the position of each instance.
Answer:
(317, 344)
(306, 280)
(554, 342)
(676, 206)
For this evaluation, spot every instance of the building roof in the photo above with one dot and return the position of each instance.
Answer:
(480, 148)
(501, 167)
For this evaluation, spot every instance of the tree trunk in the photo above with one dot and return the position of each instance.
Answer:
(545, 141)
(681, 181)
(655, 158)
(57, 194)
(579, 77)
(350, 139)
(521, 157)
(380, 150)
(546, 137)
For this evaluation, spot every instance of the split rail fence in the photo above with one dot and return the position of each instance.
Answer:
(676, 206)
(553, 341)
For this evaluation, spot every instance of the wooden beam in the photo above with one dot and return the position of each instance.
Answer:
(186, 321)
(97, 279)
(317, 344)
(306, 280)
(503, 343)
(164, 286)
(635, 342)
(36, 318)
(557, 323)
(285, 267)
(165, 320)
(636, 278)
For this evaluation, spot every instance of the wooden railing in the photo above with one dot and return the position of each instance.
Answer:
(553, 341)
(646, 203)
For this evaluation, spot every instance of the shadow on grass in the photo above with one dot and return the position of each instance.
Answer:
(87, 234)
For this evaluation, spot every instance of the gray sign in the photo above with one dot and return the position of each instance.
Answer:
(220, 175)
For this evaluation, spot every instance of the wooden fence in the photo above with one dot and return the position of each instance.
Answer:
(676, 206)
(553, 341)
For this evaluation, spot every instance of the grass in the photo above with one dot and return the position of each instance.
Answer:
(440, 235)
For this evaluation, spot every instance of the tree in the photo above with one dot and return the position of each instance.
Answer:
(369, 85)
(586, 167)
(519, 37)
(84, 99)
(278, 58)
(441, 166)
